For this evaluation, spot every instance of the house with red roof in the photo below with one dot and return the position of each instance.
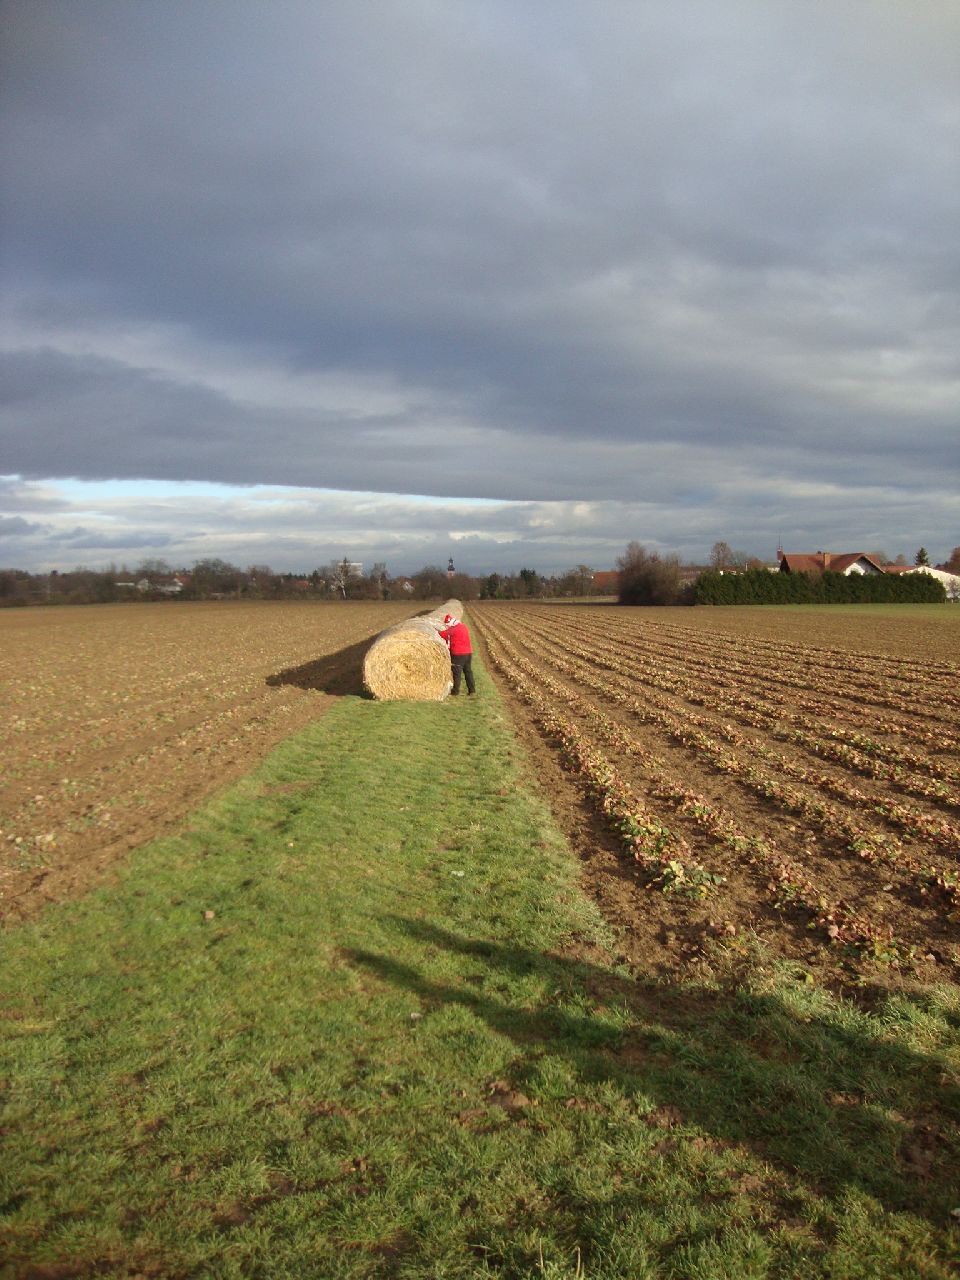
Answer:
(606, 582)
(846, 562)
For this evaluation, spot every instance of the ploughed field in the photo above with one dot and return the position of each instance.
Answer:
(792, 775)
(120, 719)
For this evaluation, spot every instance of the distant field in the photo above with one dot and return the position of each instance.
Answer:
(121, 718)
(919, 631)
(783, 772)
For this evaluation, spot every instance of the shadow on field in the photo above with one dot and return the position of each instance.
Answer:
(830, 1104)
(340, 674)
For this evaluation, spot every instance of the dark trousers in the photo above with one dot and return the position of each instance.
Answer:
(462, 663)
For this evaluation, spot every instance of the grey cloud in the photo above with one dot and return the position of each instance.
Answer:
(90, 540)
(298, 529)
(102, 419)
(603, 253)
(17, 527)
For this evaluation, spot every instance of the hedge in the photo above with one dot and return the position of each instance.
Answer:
(760, 586)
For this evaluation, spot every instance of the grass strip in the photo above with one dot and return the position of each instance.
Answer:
(359, 1020)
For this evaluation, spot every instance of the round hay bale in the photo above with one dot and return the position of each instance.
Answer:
(436, 616)
(408, 662)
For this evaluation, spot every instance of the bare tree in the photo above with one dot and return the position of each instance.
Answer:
(721, 556)
(215, 577)
(431, 583)
(335, 577)
(462, 587)
(378, 577)
(648, 578)
(261, 581)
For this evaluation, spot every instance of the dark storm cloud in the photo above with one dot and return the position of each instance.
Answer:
(17, 527)
(81, 539)
(687, 255)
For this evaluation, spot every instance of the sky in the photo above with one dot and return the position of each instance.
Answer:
(516, 282)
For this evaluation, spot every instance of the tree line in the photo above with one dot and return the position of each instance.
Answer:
(648, 578)
(216, 579)
(643, 577)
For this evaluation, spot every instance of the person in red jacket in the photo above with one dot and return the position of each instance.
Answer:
(457, 639)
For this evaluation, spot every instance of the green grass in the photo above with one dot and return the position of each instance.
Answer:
(400, 1046)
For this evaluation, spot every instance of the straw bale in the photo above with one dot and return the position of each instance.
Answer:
(436, 616)
(408, 662)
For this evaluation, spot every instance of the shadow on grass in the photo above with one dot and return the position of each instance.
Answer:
(830, 1104)
(340, 673)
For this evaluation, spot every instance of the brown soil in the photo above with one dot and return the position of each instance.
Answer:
(665, 660)
(922, 632)
(122, 718)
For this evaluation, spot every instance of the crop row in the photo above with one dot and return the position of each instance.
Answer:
(863, 839)
(785, 879)
(908, 673)
(867, 842)
(711, 687)
(748, 711)
(851, 748)
(927, 721)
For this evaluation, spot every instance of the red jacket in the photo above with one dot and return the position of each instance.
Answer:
(458, 638)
